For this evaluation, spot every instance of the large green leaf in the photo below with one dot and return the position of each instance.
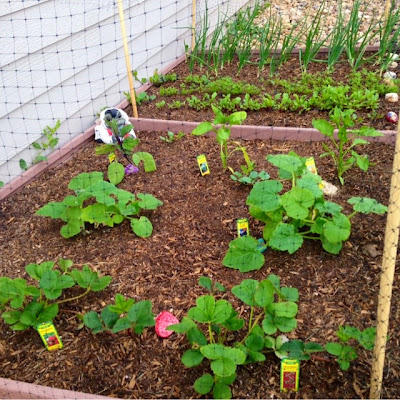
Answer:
(53, 210)
(244, 255)
(202, 128)
(115, 172)
(264, 195)
(204, 384)
(53, 284)
(297, 202)
(286, 162)
(286, 309)
(338, 229)
(142, 227)
(223, 367)
(264, 294)
(284, 238)
(147, 158)
(192, 358)
(84, 180)
(208, 310)
(86, 278)
(221, 391)
(366, 205)
(109, 317)
(324, 127)
(148, 202)
(36, 271)
(237, 118)
(246, 291)
(14, 290)
(72, 228)
(140, 314)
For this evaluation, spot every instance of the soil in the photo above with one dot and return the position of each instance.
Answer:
(192, 231)
(266, 117)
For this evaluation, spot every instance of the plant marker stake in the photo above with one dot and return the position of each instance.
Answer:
(193, 24)
(290, 371)
(202, 162)
(387, 275)
(242, 227)
(49, 336)
(127, 60)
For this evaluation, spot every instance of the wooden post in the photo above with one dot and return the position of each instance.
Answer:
(193, 24)
(387, 275)
(387, 8)
(127, 59)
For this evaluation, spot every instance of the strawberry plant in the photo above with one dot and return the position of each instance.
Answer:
(272, 309)
(300, 213)
(108, 206)
(124, 314)
(28, 305)
(124, 145)
(172, 137)
(346, 353)
(341, 149)
(249, 179)
(222, 127)
(211, 286)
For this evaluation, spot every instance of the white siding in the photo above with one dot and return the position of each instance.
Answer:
(63, 59)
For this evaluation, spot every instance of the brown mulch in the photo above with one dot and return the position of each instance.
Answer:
(192, 231)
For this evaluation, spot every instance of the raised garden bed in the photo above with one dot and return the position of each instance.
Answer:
(192, 231)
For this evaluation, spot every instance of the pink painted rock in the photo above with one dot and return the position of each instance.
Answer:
(392, 117)
(163, 320)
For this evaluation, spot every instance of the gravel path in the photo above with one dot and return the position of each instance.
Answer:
(293, 11)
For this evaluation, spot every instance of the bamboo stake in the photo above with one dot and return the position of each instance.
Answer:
(193, 24)
(387, 8)
(387, 275)
(127, 59)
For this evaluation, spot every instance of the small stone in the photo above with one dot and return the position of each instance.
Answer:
(389, 81)
(394, 57)
(370, 250)
(329, 189)
(393, 65)
(390, 75)
(391, 117)
(392, 97)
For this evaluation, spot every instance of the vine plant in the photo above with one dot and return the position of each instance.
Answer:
(300, 213)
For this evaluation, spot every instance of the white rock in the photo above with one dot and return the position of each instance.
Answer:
(392, 97)
(390, 75)
(393, 65)
(394, 57)
(329, 189)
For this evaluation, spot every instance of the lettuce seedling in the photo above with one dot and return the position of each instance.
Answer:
(341, 149)
(124, 314)
(112, 206)
(28, 305)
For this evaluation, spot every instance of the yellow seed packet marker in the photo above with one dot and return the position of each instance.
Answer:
(310, 164)
(111, 157)
(203, 165)
(48, 333)
(242, 227)
(290, 371)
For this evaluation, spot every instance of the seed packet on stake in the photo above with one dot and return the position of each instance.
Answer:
(290, 370)
(242, 227)
(202, 161)
(49, 335)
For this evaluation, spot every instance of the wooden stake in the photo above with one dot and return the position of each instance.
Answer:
(387, 275)
(193, 24)
(127, 59)
(387, 8)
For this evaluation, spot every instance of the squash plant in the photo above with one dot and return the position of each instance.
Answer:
(111, 206)
(300, 213)
(27, 305)
(272, 310)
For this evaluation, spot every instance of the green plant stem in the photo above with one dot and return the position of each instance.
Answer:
(352, 214)
(210, 333)
(75, 298)
(251, 329)
(251, 317)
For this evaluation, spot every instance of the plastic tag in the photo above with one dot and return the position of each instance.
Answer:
(49, 335)
(202, 161)
(290, 371)
(242, 227)
(111, 157)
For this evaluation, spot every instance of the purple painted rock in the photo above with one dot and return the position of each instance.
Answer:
(392, 117)
(164, 320)
(131, 169)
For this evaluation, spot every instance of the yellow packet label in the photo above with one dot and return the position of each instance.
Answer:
(111, 157)
(203, 165)
(49, 336)
(310, 164)
(290, 371)
(242, 227)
